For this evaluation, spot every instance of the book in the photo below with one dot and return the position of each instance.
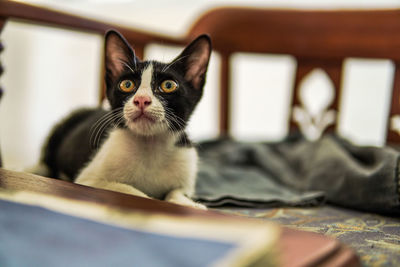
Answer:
(43, 230)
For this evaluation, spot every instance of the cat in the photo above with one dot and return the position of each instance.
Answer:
(139, 147)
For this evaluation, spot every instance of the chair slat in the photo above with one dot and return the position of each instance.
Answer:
(225, 96)
(393, 136)
(2, 23)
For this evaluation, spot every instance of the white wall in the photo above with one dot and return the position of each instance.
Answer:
(49, 72)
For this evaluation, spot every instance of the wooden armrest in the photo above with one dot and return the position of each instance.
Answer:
(20, 181)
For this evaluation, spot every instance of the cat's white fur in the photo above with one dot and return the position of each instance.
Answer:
(143, 160)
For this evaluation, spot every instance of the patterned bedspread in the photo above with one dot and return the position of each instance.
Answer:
(375, 238)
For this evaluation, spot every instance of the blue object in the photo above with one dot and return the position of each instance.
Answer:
(34, 236)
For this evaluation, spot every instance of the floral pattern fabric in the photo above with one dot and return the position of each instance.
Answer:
(375, 238)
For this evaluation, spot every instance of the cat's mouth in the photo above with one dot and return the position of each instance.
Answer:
(144, 117)
(144, 122)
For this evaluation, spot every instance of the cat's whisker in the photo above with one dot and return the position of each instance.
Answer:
(172, 126)
(118, 119)
(103, 118)
(175, 133)
(105, 127)
(174, 119)
(110, 113)
(99, 132)
(118, 122)
(179, 120)
(98, 128)
(93, 130)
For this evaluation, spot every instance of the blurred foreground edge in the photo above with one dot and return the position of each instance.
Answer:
(296, 248)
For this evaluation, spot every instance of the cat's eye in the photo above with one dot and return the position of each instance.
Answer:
(168, 86)
(127, 86)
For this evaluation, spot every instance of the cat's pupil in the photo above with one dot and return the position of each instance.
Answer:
(128, 84)
(168, 85)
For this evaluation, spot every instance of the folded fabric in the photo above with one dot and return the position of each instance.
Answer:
(297, 172)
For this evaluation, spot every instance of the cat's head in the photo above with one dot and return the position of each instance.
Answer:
(155, 97)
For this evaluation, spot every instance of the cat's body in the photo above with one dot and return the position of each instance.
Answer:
(140, 146)
(154, 166)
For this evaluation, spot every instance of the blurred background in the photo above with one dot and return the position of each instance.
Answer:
(49, 72)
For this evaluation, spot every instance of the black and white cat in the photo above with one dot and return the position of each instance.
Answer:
(144, 149)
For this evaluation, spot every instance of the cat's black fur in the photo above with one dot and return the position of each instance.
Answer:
(71, 144)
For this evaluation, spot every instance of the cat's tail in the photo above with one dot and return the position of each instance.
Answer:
(48, 162)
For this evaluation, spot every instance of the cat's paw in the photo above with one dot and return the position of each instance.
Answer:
(188, 203)
(199, 206)
(178, 196)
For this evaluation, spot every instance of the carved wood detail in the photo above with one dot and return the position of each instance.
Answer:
(313, 115)
(332, 68)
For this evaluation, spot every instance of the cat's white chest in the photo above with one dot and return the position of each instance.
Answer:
(154, 167)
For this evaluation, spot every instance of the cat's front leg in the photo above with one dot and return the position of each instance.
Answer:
(113, 186)
(178, 196)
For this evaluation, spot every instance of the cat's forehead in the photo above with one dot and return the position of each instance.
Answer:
(156, 67)
(152, 73)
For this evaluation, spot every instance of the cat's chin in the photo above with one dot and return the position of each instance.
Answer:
(146, 127)
(144, 118)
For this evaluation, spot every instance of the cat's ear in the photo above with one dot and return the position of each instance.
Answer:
(119, 55)
(194, 59)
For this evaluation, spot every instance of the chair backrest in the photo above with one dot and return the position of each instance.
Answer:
(316, 39)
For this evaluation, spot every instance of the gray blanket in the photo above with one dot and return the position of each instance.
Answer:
(296, 172)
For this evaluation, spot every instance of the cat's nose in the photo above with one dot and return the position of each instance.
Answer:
(142, 101)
